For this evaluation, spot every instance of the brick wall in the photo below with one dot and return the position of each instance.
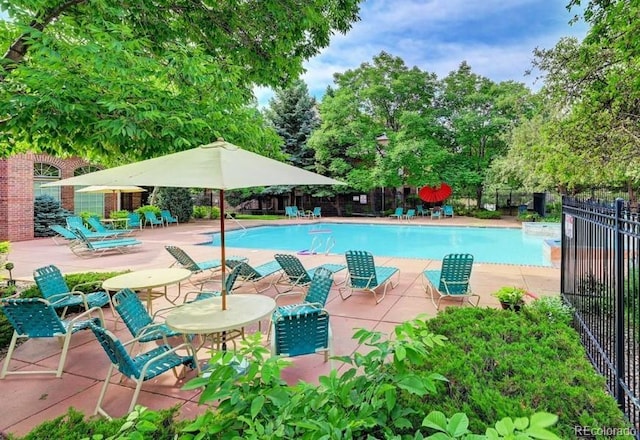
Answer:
(16, 192)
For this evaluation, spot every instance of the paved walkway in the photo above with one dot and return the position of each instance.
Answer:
(34, 399)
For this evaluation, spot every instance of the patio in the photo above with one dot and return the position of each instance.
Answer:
(36, 399)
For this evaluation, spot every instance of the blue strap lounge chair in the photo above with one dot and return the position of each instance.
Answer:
(75, 223)
(37, 318)
(363, 274)
(421, 211)
(399, 213)
(99, 227)
(451, 281)
(301, 331)
(257, 274)
(55, 289)
(167, 218)
(98, 247)
(209, 268)
(152, 219)
(294, 274)
(142, 367)
(62, 232)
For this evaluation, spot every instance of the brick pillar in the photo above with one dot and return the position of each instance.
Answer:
(16, 198)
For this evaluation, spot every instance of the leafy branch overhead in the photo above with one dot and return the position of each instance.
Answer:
(133, 80)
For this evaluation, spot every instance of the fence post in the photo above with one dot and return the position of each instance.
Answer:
(619, 314)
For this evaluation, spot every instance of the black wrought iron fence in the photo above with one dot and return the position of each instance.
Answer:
(600, 277)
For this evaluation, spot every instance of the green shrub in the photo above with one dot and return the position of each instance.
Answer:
(500, 363)
(141, 210)
(550, 308)
(73, 426)
(361, 403)
(93, 279)
(178, 201)
(201, 212)
(215, 213)
(528, 217)
(485, 215)
(5, 247)
(119, 214)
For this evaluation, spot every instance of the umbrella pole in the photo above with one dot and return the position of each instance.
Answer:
(222, 251)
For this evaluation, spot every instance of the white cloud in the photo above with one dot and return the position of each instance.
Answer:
(495, 37)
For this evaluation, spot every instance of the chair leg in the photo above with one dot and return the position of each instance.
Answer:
(63, 355)
(12, 346)
(103, 391)
(136, 393)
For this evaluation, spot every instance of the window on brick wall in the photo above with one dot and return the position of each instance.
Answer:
(45, 173)
(87, 202)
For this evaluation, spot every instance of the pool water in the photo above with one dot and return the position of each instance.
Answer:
(487, 245)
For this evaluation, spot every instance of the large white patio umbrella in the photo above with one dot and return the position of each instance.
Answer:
(219, 165)
(115, 190)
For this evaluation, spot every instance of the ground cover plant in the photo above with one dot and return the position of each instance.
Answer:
(501, 363)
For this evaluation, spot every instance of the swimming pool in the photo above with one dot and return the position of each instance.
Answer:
(488, 245)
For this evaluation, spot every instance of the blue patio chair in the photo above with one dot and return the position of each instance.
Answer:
(62, 232)
(317, 212)
(421, 211)
(411, 213)
(317, 294)
(256, 274)
(142, 367)
(301, 331)
(36, 318)
(447, 211)
(98, 247)
(209, 268)
(97, 226)
(296, 275)
(55, 289)
(152, 219)
(229, 285)
(399, 213)
(75, 223)
(134, 220)
(290, 212)
(435, 212)
(167, 218)
(135, 316)
(451, 281)
(363, 274)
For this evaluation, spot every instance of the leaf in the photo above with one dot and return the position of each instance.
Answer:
(543, 420)
(435, 420)
(401, 353)
(458, 425)
(541, 433)
(256, 406)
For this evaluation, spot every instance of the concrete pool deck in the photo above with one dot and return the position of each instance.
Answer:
(35, 399)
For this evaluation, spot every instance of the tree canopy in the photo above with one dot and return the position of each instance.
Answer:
(113, 80)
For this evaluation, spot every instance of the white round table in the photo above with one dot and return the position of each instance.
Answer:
(146, 280)
(206, 317)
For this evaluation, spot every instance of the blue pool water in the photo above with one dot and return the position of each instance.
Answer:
(488, 245)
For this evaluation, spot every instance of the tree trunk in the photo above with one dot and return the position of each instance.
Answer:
(479, 196)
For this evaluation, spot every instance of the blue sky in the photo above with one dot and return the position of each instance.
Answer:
(495, 37)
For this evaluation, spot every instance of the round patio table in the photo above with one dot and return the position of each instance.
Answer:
(146, 280)
(206, 317)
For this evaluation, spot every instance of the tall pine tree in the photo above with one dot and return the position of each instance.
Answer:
(292, 112)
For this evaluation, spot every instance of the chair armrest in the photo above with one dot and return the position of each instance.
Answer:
(282, 295)
(87, 314)
(169, 352)
(98, 285)
(53, 299)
